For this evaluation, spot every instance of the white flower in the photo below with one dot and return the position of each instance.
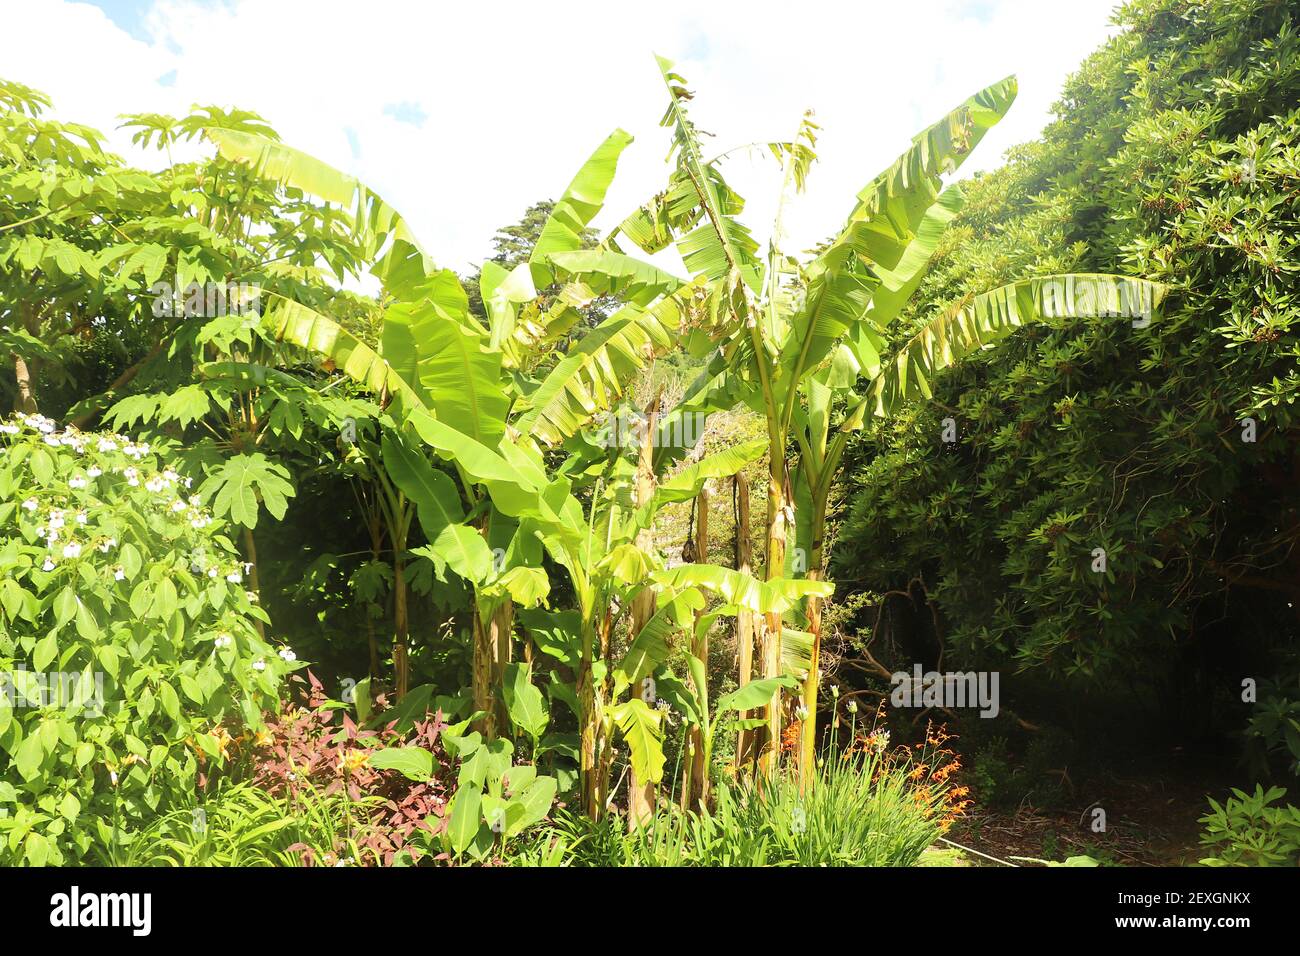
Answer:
(188, 482)
(44, 425)
(288, 655)
(223, 640)
(51, 536)
(178, 506)
(155, 484)
(81, 517)
(119, 573)
(94, 471)
(107, 545)
(259, 665)
(48, 565)
(106, 444)
(9, 428)
(195, 501)
(30, 504)
(72, 550)
(212, 572)
(170, 476)
(853, 707)
(52, 441)
(234, 577)
(76, 481)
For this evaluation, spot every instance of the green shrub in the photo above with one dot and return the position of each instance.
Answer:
(241, 825)
(1247, 831)
(111, 572)
(864, 810)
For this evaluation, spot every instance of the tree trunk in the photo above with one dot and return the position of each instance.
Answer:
(492, 652)
(745, 630)
(588, 720)
(254, 579)
(778, 500)
(484, 666)
(26, 398)
(641, 794)
(808, 734)
(695, 788)
(401, 621)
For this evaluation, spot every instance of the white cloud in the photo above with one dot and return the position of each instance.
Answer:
(516, 94)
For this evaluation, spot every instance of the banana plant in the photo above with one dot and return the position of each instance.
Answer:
(611, 572)
(486, 398)
(788, 334)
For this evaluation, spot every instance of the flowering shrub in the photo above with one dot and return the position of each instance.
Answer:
(128, 644)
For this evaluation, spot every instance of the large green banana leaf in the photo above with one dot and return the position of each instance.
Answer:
(990, 316)
(563, 230)
(870, 269)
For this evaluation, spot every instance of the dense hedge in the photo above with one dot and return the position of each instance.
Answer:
(1174, 155)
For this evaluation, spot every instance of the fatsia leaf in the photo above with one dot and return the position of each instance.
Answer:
(241, 482)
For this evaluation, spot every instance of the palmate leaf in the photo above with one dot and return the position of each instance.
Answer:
(563, 231)
(600, 367)
(875, 263)
(241, 482)
(990, 316)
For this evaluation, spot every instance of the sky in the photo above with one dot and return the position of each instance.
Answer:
(463, 114)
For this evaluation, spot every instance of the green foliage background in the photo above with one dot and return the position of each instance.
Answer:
(1175, 154)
